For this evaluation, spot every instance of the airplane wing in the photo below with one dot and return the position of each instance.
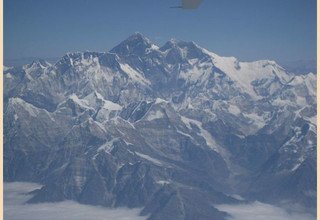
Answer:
(191, 4)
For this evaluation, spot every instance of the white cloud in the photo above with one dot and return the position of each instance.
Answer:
(261, 211)
(15, 196)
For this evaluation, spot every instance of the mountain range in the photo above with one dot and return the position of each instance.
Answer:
(174, 130)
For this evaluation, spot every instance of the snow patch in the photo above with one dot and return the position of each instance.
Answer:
(163, 182)
(80, 102)
(134, 75)
(111, 106)
(8, 76)
(107, 147)
(151, 159)
(204, 133)
(159, 100)
(26, 106)
(234, 110)
(155, 115)
(257, 120)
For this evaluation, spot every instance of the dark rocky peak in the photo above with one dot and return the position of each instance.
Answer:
(136, 44)
(178, 51)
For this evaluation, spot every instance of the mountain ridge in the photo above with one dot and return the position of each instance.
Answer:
(173, 129)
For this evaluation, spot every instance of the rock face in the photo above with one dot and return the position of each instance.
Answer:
(174, 129)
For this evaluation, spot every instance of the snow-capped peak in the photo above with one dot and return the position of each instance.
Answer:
(246, 73)
(37, 64)
(6, 68)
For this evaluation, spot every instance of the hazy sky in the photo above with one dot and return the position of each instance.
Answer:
(247, 29)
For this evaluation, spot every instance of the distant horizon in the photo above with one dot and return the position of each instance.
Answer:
(160, 45)
(307, 65)
(157, 44)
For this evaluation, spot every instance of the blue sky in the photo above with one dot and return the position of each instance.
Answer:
(282, 30)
